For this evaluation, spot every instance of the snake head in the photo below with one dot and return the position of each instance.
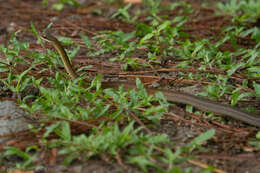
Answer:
(48, 37)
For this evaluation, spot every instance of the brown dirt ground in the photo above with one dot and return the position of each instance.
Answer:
(230, 149)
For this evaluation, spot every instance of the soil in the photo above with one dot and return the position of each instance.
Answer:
(230, 150)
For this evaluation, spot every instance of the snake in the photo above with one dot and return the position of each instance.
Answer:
(171, 96)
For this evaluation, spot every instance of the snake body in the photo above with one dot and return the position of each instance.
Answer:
(171, 96)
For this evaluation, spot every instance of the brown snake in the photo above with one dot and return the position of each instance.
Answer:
(172, 96)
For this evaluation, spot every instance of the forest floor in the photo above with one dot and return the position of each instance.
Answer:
(197, 47)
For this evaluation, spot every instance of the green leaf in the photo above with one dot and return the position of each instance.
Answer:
(58, 6)
(255, 71)
(21, 85)
(233, 41)
(66, 40)
(142, 29)
(64, 131)
(96, 82)
(163, 26)
(184, 64)
(141, 161)
(258, 135)
(255, 143)
(16, 151)
(34, 31)
(44, 3)
(3, 67)
(50, 129)
(123, 12)
(74, 52)
(202, 138)
(257, 88)
(85, 40)
(146, 37)
(234, 68)
(256, 34)
(236, 96)
(140, 86)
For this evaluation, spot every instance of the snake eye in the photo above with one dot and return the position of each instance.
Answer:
(43, 35)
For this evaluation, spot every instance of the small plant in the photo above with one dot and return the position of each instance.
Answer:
(152, 6)
(61, 3)
(27, 156)
(123, 12)
(242, 10)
